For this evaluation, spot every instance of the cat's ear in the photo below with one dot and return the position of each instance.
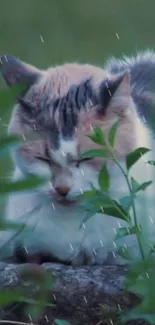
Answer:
(15, 71)
(115, 94)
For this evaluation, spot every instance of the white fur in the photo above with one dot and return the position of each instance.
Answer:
(56, 228)
(65, 147)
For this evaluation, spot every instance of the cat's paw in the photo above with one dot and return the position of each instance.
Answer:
(86, 257)
(33, 256)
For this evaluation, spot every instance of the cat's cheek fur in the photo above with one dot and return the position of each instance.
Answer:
(89, 244)
(26, 166)
(83, 177)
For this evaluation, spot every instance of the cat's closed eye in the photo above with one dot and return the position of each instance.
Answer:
(43, 159)
(76, 162)
(80, 161)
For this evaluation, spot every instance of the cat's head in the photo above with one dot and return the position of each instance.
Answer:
(62, 104)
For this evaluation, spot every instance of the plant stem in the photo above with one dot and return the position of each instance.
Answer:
(133, 203)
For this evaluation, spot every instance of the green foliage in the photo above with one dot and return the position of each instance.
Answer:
(97, 136)
(22, 185)
(141, 276)
(93, 153)
(112, 133)
(104, 179)
(151, 162)
(61, 322)
(125, 231)
(139, 187)
(99, 202)
(34, 306)
(134, 156)
(8, 142)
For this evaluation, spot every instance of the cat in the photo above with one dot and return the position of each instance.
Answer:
(61, 105)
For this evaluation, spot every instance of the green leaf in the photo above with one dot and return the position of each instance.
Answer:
(124, 253)
(136, 314)
(34, 311)
(97, 136)
(102, 203)
(143, 186)
(61, 322)
(94, 153)
(140, 268)
(35, 302)
(125, 231)
(88, 215)
(8, 96)
(7, 224)
(140, 286)
(151, 162)
(104, 179)
(127, 201)
(25, 184)
(134, 184)
(7, 142)
(114, 209)
(112, 133)
(139, 187)
(134, 156)
(86, 194)
(10, 295)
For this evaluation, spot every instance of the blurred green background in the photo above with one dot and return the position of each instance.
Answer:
(50, 32)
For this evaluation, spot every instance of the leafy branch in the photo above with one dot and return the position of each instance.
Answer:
(141, 274)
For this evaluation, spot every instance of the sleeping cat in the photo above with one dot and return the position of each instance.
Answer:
(61, 105)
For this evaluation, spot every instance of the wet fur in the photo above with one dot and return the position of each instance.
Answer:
(68, 101)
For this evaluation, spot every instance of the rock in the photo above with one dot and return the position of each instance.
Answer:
(77, 293)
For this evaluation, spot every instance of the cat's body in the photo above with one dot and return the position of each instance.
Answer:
(65, 103)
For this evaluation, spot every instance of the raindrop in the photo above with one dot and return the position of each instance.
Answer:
(41, 38)
(83, 225)
(111, 322)
(151, 219)
(54, 296)
(47, 320)
(85, 299)
(147, 275)
(117, 36)
(82, 172)
(63, 153)
(53, 206)
(119, 307)
(114, 244)
(119, 225)
(81, 190)
(94, 251)
(71, 246)
(51, 185)
(23, 136)
(26, 249)
(101, 242)
(101, 208)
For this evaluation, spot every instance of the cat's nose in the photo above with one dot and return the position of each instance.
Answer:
(63, 191)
